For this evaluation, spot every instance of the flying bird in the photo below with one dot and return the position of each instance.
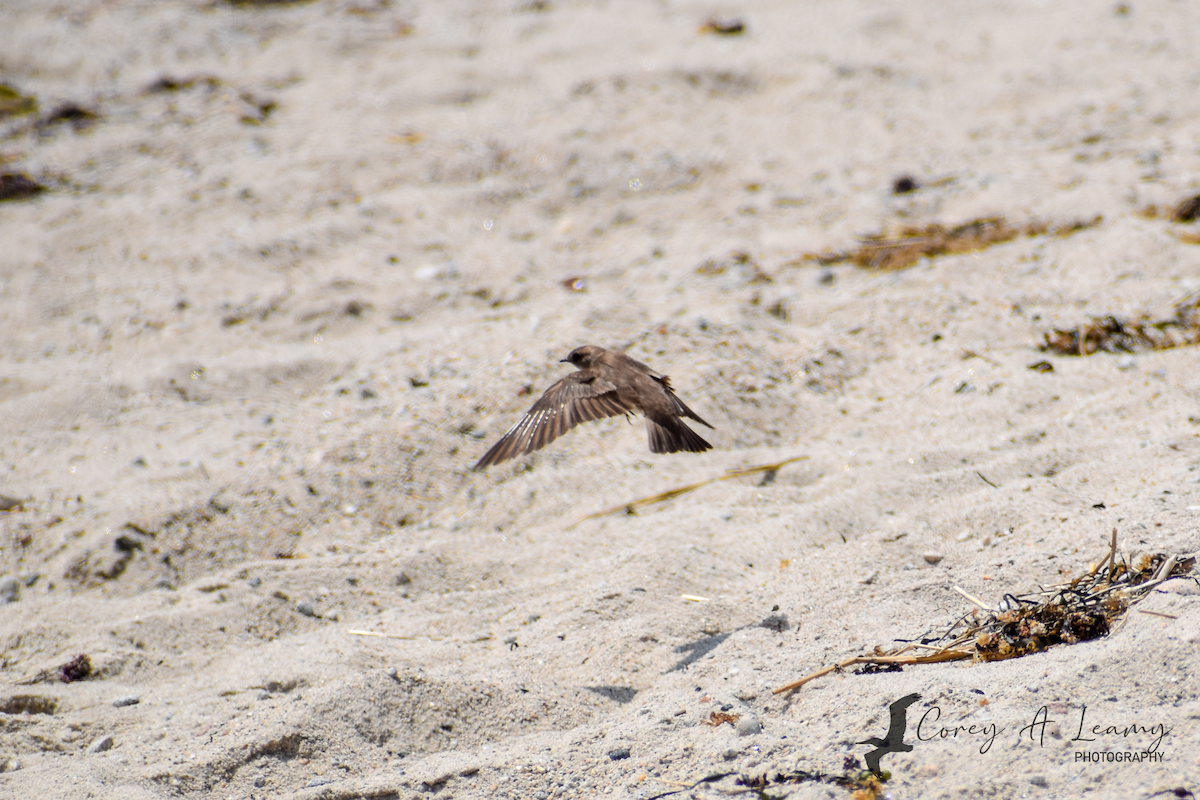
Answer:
(607, 384)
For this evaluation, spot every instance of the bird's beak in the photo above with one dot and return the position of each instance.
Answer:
(564, 360)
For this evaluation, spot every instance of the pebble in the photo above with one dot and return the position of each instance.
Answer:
(260, 782)
(933, 558)
(11, 765)
(255, 582)
(1038, 780)
(304, 607)
(127, 700)
(393, 673)
(1124, 362)
(318, 782)
(748, 725)
(10, 589)
(101, 745)
(618, 753)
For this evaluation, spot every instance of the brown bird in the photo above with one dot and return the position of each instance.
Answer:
(607, 384)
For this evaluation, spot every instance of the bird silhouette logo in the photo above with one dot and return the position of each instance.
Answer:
(894, 741)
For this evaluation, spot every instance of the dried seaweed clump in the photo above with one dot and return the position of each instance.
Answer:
(862, 784)
(1114, 335)
(888, 251)
(76, 669)
(1084, 609)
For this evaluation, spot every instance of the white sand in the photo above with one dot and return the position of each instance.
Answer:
(405, 215)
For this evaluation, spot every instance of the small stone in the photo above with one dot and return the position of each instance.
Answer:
(964, 534)
(262, 694)
(1038, 780)
(10, 590)
(748, 725)
(10, 765)
(618, 753)
(304, 607)
(730, 755)
(392, 673)
(126, 700)
(101, 745)
(318, 782)
(260, 782)
(540, 795)
(255, 582)
(1124, 362)
(933, 558)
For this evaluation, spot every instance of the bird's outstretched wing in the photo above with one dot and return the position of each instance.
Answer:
(574, 399)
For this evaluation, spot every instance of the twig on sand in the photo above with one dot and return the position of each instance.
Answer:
(944, 654)
(1110, 558)
(985, 480)
(1157, 614)
(387, 635)
(972, 598)
(632, 506)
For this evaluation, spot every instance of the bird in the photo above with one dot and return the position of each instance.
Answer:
(607, 384)
(894, 741)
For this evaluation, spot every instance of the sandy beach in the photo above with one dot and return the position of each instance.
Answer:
(274, 276)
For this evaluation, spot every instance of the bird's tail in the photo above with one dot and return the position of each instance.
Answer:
(670, 435)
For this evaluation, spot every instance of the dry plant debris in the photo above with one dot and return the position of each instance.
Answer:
(1186, 210)
(631, 507)
(861, 783)
(1085, 608)
(903, 248)
(76, 669)
(1114, 335)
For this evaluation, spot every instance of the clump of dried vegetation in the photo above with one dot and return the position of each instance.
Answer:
(1185, 211)
(1085, 608)
(905, 247)
(1115, 335)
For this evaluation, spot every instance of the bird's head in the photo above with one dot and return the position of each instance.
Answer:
(583, 357)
